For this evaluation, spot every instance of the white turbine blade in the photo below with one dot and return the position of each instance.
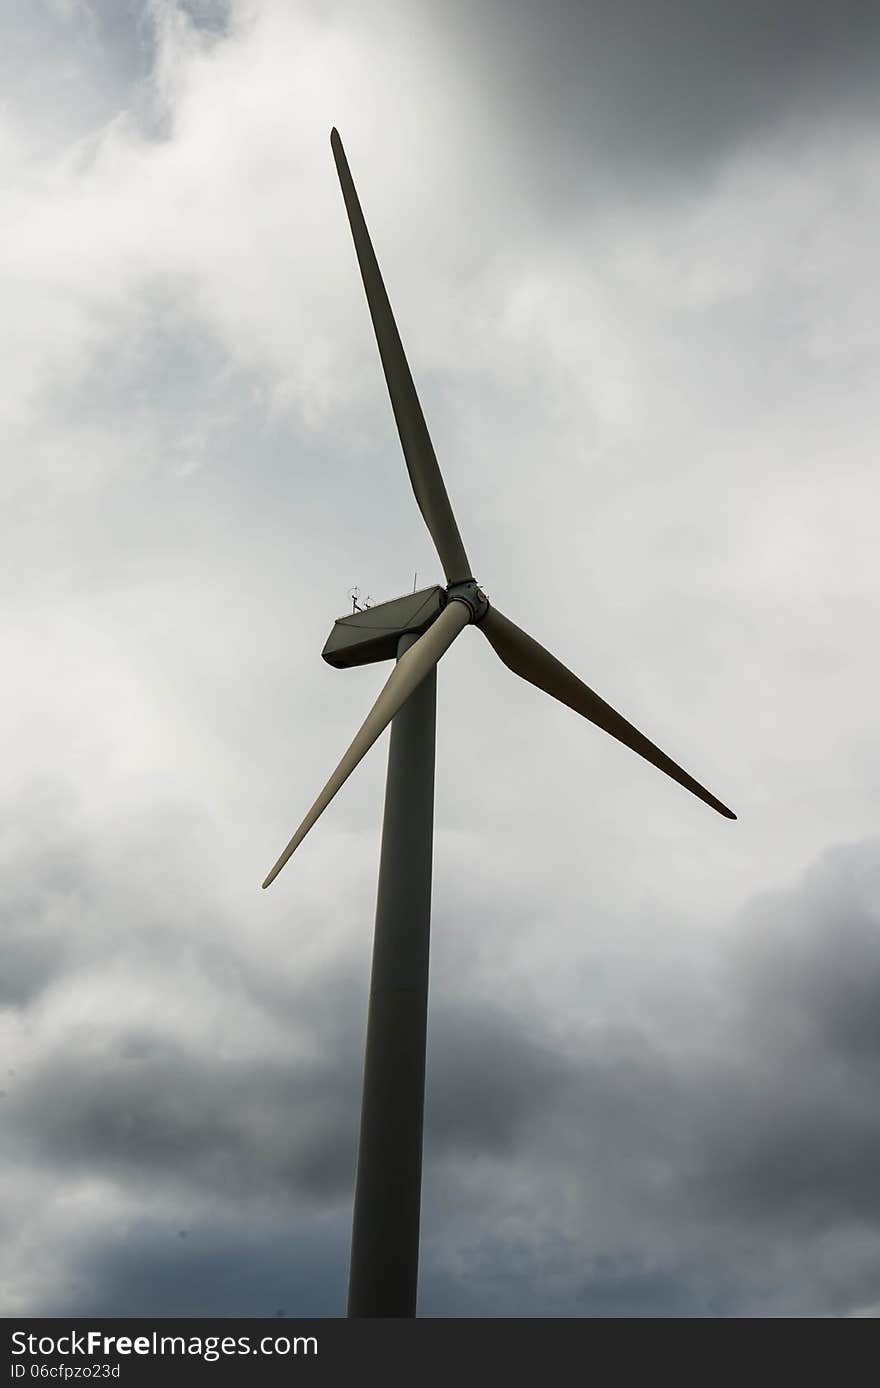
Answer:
(526, 658)
(421, 461)
(408, 673)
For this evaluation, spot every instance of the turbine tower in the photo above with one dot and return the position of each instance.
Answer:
(417, 630)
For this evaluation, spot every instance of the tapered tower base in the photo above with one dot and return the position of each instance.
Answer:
(385, 1233)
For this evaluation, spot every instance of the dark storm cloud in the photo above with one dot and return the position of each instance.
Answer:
(137, 1107)
(127, 1101)
(793, 1131)
(775, 1119)
(738, 1174)
(488, 1081)
(132, 1105)
(647, 92)
(614, 1284)
(227, 1266)
(812, 970)
(712, 1171)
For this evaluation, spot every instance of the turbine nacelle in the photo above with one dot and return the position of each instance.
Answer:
(362, 638)
(372, 634)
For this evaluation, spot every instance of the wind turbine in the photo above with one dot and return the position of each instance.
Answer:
(418, 629)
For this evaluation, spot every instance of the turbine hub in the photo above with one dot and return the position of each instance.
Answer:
(473, 597)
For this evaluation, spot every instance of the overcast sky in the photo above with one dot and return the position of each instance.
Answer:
(632, 250)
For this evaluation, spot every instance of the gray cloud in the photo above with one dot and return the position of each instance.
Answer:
(645, 96)
(737, 1176)
(698, 1178)
(227, 1267)
(632, 255)
(135, 1107)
